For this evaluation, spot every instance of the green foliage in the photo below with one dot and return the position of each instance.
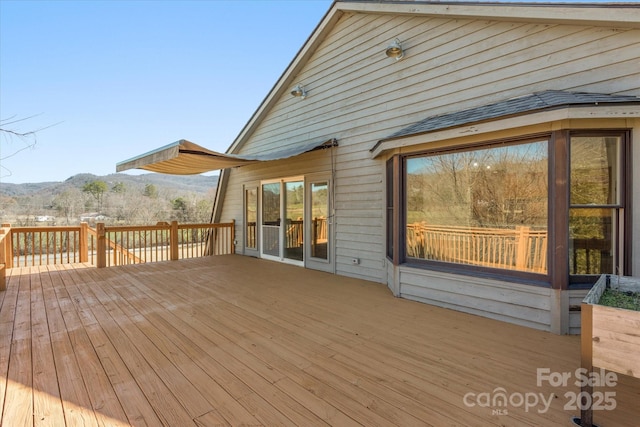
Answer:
(191, 211)
(180, 208)
(150, 190)
(96, 189)
(119, 188)
(620, 299)
(179, 204)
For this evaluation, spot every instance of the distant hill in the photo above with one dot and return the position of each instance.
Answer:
(198, 184)
(127, 199)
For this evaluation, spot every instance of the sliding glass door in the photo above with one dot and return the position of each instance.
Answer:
(282, 223)
(270, 224)
(318, 225)
(295, 221)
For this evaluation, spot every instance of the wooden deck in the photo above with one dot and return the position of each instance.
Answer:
(232, 340)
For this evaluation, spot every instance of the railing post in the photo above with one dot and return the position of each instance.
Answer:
(8, 246)
(3, 259)
(586, 363)
(217, 240)
(3, 249)
(84, 242)
(101, 246)
(173, 240)
(522, 247)
(232, 242)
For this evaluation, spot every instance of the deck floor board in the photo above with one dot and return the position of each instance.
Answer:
(231, 340)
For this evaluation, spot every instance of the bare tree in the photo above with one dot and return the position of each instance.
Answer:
(9, 131)
(68, 204)
(502, 187)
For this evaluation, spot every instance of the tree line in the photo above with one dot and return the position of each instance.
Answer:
(115, 203)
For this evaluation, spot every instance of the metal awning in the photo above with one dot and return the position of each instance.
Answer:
(186, 158)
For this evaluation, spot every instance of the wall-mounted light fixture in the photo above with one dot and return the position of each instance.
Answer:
(300, 91)
(394, 50)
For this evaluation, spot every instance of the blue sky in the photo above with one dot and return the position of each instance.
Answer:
(119, 78)
(109, 80)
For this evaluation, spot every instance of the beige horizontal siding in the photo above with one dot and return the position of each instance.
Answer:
(365, 89)
(359, 96)
(514, 303)
(575, 300)
(313, 162)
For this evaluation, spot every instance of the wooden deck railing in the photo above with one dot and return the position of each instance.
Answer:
(519, 248)
(4, 254)
(294, 233)
(107, 246)
(590, 256)
(30, 246)
(319, 230)
(161, 242)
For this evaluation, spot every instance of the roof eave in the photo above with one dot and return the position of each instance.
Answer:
(618, 15)
(567, 112)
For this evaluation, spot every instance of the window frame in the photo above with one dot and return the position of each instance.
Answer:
(538, 279)
(246, 250)
(558, 204)
(578, 281)
(393, 181)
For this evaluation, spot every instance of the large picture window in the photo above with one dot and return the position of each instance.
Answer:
(551, 210)
(484, 207)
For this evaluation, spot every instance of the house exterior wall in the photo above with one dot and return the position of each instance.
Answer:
(635, 212)
(511, 302)
(575, 300)
(359, 96)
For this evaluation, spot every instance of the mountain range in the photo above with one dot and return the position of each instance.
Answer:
(198, 184)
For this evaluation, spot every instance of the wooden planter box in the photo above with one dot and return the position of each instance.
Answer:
(614, 332)
(610, 337)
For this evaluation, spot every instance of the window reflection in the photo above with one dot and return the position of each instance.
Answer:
(484, 207)
(271, 219)
(271, 204)
(319, 215)
(294, 220)
(595, 204)
(251, 217)
(594, 170)
(591, 241)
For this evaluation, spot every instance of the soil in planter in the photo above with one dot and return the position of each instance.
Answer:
(621, 299)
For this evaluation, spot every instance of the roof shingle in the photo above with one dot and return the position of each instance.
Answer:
(547, 100)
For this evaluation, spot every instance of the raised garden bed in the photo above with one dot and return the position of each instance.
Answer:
(610, 337)
(613, 331)
(621, 299)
